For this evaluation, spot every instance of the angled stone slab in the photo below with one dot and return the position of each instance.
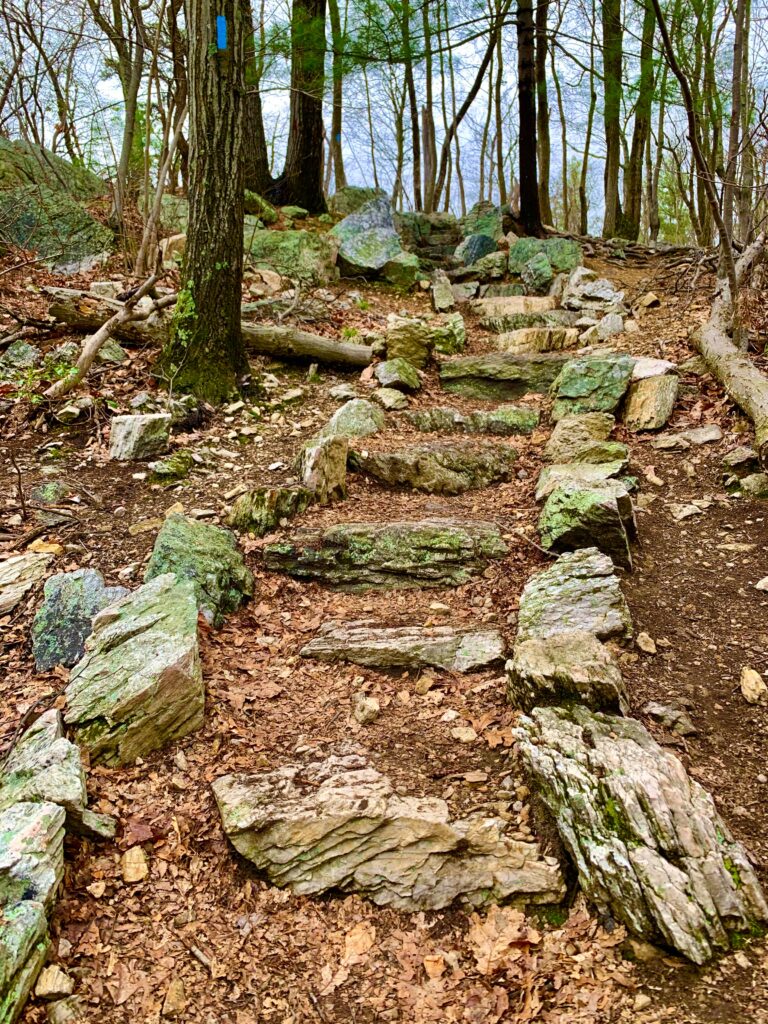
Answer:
(337, 824)
(356, 418)
(596, 516)
(574, 434)
(499, 376)
(31, 852)
(446, 647)
(398, 373)
(262, 509)
(18, 574)
(591, 384)
(23, 948)
(650, 401)
(504, 420)
(140, 685)
(579, 592)
(647, 842)
(139, 436)
(404, 554)
(439, 468)
(586, 474)
(322, 468)
(536, 339)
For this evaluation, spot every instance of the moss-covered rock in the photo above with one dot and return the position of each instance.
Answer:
(367, 238)
(591, 384)
(24, 946)
(174, 467)
(499, 376)
(356, 418)
(485, 218)
(576, 433)
(351, 198)
(439, 468)
(537, 275)
(562, 254)
(474, 248)
(309, 256)
(598, 516)
(256, 206)
(584, 474)
(409, 338)
(398, 373)
(504, 420)
(402, 271)
(262, 509)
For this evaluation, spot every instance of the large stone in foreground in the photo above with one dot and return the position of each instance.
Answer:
(440, 468)
(356, 556)
(499, 376)
(338, 824)
(580, 592)
(356, 418)
(601, 516)
(576, 434)
(366, 643)
(139, 686)
(18, 574)
(591, 384)
(586, 474)
(207, 555)
(562, 669)
(650, 402)
(31, 852)
(504, 420)
(139, 436)
(648, 844)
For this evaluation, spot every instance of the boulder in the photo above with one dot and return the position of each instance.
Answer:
(356, 418)
(537, 275)
(31, 853)
(442, 294)
(597, 516)
(338, 824)
(18, 574)
(504, 420)
(63, 621)
(484, 218)
(591, 384)
(650, 402)
(515, 305)
(351, 198)
(499, 377)
(576, 433)
(445, 647)
(579, 592)
(537, 339)
(398, 373)
(24, 946)
(207, 556)
(439, 468)
(648, 844)
(588, 293)
(256, 206)
(390, 399)
(564, 669)
(322, 468)
(367, 238)
(562, 254)
(409, 338)
(262, 509)
(610, 325)
(449, 335)
(402, 271)
(473, 249)
(139, 436)
(139, 686)
(309, 256)
(584, 474)
(403, 554)
(489, 267)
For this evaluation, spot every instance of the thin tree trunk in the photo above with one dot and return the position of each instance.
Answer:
(734, 130)
(542, 111)
(612, 70)
(335, 145)
(633, 176)
(583, 201)
(563, 144)
(530, 215)
(412, 104)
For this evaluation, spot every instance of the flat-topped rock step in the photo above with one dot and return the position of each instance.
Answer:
(576, 434)
(579, 592)
(504, 420)
(367, 643)
(337, 824)
(594, 516)
(585, 474)
(537, 339)
(647, 841)
(499, 376)
(404, 554)
(439, 468)
(502, 322)
(512, 305)
(592, 384)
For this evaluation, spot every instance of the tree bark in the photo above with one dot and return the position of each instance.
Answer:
(542, 111)
(530, 214)
(734, 130)
(335, 144)
(633, 176)
(612, 68)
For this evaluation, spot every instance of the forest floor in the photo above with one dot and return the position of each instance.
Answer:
(248, 952)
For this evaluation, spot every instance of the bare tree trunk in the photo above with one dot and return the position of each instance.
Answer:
(335, 143)
(612, 70)
(734, 130)
(499, 123)
(583, 202)
(542, 111)
(530, 215)
(633, 176)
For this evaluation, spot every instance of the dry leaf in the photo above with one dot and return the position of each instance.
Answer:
(358, 942)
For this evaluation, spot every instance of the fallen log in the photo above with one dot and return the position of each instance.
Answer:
(733, 368)
(86, 312)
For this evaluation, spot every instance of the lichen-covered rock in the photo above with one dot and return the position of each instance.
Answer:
(256, 206)
(650, 402)
(20, 573)
(588, 293)
(367, 238)
(20, 355)
(599, 516)
(390, 399)
(449, 334)
(648, 844)
(367, 643)
(139, 686)
(31, 852)
(63, 621)
(174, 467)
(139, 436)
(474, 248)
(207, 555)
(338, 824)
(356, 418)
(580, 592)
(591, 384)
(515, 305)
(562, 254)
(563, 669)
(356, 556)
(439, 468)
(398, 373)
(755, 485)
(484, 218)
(585, 474)
(537, 339)
(402, 271)
(575, 434)
(499, 376)
(504, 420)
(322, 468)
(409, 338)
(309, 256)
(351, 198)
(23, 949)
(489, 267)
(262, 509)
(442, 294)
(537, 275)
(610, 325)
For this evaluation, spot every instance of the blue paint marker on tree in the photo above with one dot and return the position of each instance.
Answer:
(221, 32)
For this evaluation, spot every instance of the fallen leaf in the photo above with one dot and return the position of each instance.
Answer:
(358, 942)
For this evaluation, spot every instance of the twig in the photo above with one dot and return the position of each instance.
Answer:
(19, 486)
(521, 535)
(27, 263)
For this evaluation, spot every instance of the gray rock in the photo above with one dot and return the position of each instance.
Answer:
(536, 339)
(650, 402)
(365, 709)
(647, 367)
(440, 468)
(322, 468)
(449, 334)
(23, 949)
(338, 824)
(263, 509)
(501, 377)
(484, 218)
(588, 293)
(343, 392)
(356, 418)
(591, 384)
(18, 574)
(442, 294)
(611, 325)
(562, 669)
(649, 847)
(63, 621)
(367, 643)
(675, 719)
(581, 593)
(367, 238)
(410, 339)
(351, 198)
(575, 434)
(390, 399)
(31, 853)
(742, 460)
(537, 275)
(398, 373)
(139, 685)
(474, 248)
(504, 420)
(139, 436)
(20, 355)
(755, 485)
(585, 474)
(597, 516)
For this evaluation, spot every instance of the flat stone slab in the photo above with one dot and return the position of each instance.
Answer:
(513, 305)
(18, 574)
(579, 592)
(710, 433)
(584, 473)
(591, 384)
(356, 418)
(263, 509)
(140, 685)
(499, 376)
(502, 323)
(537, 339)
(574, 434)
(564, 668)
(337, 824)
(31, 852)
(23, 949)
(440, 468)
(445, 647)
(597, 516)
(650, 401)
(647, 842)
(504, 420)
(139, 436)
(404, 554)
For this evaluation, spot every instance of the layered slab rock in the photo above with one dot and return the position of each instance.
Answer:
(18, 574)
(398, 373)
(563, 669)
(31, 852)
(410, 339)
(499, 376)
(390, 399)
(366, 643)
(139, 686)
(580, 592)
(206, 555)
(650, 402)
(337, 824)
(591, 384)
(587, 292)
(573, 434)
(502, 323)
(63, 621)
(356, 418)
(504, 420)
(513, 305)
(562, 254)
(139, 436)
(440, 468)
(263, 509)
(23, 949)
(537, 339)
(322, 468)
(586, 474)
(598, 516)
(356, 556)
(648, 844)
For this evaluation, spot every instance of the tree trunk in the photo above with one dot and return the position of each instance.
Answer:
(542, 111)
(633, 176)
(530, 215)
(205, 353)
(335, 145)
(413, 105)
(734, 130)
(583, 199)
(497, 97)
(612, 68)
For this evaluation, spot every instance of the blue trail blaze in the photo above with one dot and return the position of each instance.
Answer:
(221, 32)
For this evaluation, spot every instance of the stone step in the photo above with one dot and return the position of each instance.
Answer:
(500, 377)
(511, 305)
(445, 647)
(590, 516)
(592, 384)
(439, 468)
(527, 340)
(505, 322)
(338, 824)
(583, 474)
(402, 554)
(505, 420)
